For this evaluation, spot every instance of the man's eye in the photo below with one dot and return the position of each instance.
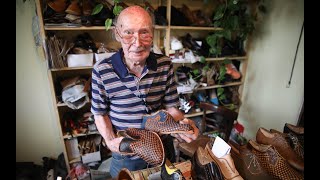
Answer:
(128, 33)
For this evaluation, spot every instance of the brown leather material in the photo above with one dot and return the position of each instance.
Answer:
(264, 136)
(233, 71)
(203, 166)
(87, 7)
(170, 172)
(190, 148)
(73, 8)
(247, 163)
(58, 5)
(225, 164)
(125, 174)
(273, 162)
(293, 141)
(146, 144)
(163, 123)
(293, 128)
(296, 130)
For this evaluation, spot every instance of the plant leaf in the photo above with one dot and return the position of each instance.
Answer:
(117, 9)
(97, 9)
(108, 23)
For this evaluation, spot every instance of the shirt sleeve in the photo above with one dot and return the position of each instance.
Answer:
(99, 102)
(171, 98)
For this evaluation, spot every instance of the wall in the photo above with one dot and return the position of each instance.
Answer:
(37, 132)
(267, 101)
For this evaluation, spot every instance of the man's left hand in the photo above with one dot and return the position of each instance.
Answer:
(186, 136)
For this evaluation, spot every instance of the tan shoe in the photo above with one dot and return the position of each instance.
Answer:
(74, 8)
(264, 136)
(225, 164)
(146, 144)
(58, 5)
(163, 123)
(273, 162)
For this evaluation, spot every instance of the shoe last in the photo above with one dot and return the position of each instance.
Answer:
(163, 123)
(246, 162)
(225, 164)
(170, 172)
(146, 144)
(203, 166)
(273, 162)
(264, 136)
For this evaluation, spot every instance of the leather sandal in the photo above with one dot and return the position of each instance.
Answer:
(146, 144)
(163, 123)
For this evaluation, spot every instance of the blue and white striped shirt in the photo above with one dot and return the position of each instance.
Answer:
(125, 97)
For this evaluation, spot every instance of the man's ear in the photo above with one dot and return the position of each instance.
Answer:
(116, 35)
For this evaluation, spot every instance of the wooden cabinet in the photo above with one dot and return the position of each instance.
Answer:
(99, 35)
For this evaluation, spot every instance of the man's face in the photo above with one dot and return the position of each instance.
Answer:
(135, 33)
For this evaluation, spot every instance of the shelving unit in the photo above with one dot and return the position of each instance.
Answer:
(100, 34)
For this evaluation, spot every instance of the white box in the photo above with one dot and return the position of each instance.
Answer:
(91, 157)
(78, 60)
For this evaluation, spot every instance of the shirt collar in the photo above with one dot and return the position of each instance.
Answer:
(121, 69)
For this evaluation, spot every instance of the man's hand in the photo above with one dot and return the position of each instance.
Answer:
(186, 136)
(114, 144)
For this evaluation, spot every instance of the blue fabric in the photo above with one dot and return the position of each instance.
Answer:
(121, 161)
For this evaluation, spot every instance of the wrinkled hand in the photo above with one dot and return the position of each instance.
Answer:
(186, 136)
(114, 144)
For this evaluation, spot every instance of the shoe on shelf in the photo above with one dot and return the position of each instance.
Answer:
(170, 172)
(296, 130)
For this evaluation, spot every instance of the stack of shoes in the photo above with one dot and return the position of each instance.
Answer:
(296, 131)
(279, 142)
(273, 163)
(247, 163)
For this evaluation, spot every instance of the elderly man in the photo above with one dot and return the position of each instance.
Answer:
(132, 83)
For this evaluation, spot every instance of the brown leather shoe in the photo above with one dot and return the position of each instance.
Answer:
(273, 162)
(58, 5)
(264, 136)
(163, 123)
(225, 164)
(247, 163)
(203, 166)
(296, 130)
(293, 141)
(145, 144)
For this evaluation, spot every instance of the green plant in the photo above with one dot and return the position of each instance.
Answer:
(234, 19)
(116, 11)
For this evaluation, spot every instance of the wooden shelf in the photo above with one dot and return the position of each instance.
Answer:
(194, 28)
(217, 59)
(72, 68)
(87, 28)
(61, 104)
(79, 135)
(196, 114)
(220, 85)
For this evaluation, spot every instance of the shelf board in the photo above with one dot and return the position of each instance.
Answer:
(196, 114)
(221, 85)
(87, 28)
(79, 135)
(227, 57)
(194, 28)
(61, 104)
(71, 68)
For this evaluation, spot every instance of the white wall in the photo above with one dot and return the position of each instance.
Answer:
(267, 102)
(37, 134)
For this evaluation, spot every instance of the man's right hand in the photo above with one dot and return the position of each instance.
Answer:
(114, 144)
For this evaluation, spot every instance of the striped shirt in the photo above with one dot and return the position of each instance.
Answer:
(124, 97)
